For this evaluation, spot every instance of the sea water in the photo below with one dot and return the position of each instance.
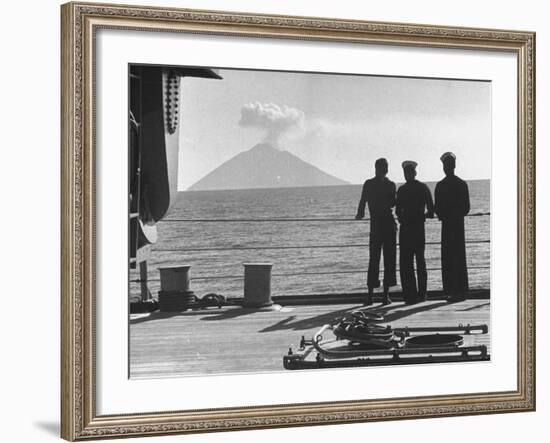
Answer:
(327, 255)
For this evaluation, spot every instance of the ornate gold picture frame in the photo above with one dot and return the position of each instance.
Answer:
(80, 24)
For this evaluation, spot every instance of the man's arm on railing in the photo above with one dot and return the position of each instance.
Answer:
(466, 197)
(362, 203)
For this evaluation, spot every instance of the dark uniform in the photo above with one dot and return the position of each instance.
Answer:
(413, 198)
(379, 193)
(452, 203)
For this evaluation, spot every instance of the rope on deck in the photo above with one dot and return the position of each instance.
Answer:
(290, 274)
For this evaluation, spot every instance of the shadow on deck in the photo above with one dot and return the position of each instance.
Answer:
(233, 339)
(390, 313)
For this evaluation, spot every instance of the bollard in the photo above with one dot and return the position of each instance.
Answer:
(257, 285)
(174, 278)
(174, 294)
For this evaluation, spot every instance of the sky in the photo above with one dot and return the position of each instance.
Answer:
(339, 123)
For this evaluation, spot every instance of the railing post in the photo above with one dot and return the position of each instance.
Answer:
(144, 289)
(257, 285)
(174, 294)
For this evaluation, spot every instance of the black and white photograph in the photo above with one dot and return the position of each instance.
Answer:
(283, 221)
(276, 221)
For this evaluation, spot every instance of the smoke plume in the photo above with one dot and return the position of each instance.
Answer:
(274, 120)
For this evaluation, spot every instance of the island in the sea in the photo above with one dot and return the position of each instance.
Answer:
(264, 166)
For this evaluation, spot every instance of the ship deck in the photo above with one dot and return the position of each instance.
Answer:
(233, 339)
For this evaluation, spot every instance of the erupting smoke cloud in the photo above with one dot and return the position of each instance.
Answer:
(275, 120)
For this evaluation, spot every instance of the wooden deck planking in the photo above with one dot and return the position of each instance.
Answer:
(232, 339)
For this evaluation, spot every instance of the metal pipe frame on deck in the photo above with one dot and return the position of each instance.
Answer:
(394, 352)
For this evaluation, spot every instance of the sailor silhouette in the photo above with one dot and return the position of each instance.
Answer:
(452, 203)
(379, 194)
(414, 204)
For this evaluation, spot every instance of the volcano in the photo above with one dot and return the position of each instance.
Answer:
(264, 166)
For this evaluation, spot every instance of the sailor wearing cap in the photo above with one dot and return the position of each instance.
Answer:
(379, 194)
(409, 164)
(448, 157)
(414, 204)
(452, 203)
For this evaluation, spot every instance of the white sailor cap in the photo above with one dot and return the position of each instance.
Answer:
(409, 164)
(447, 156)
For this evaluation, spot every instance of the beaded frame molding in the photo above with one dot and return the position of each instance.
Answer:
(80, 21)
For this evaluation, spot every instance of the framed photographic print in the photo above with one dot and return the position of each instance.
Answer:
(281, 221)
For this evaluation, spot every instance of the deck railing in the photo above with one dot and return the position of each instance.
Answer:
(284, 219)
(288, 247)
